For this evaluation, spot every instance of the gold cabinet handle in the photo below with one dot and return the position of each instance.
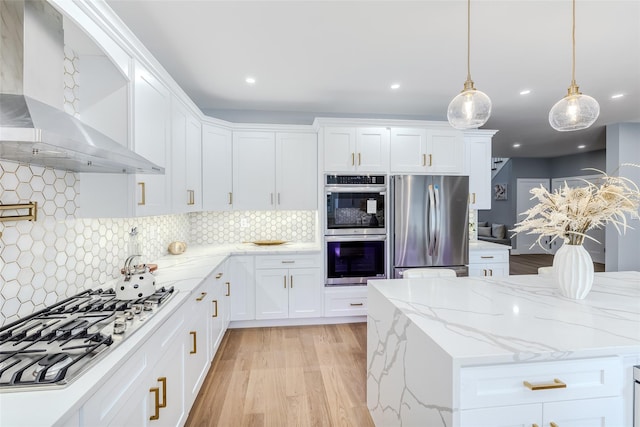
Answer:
(288, 262)
(284, 281)
(534, 425)
(163, 381)
(156, 414)
(356, 304)
(230, 198)
(486, 256)
(430, 159)
(219, 275)
(490, 272)
(201, 297)
(228, 289)
(424, 160)
(484, 272)
(291, 281)
(278, 198)
(359, 159)
(143, 192)
(271, 196)
(545, 386)
(552, 424)
(353, 159)
(474, 197)
(191, 197)
(195, 343)
(215, 313)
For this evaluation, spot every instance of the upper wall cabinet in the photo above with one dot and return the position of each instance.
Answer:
(274, 171)
(350, 149)
(421, 150)
(151, 139)
(479, 168)
(217, 175)
(186, 148)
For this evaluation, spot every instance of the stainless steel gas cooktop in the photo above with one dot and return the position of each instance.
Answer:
(54, 346)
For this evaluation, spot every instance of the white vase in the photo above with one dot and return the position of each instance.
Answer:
(573, 270)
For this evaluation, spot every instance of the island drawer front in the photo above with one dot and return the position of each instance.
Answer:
(290, 261)
(499, 385)
(342, 302)
(486, 257)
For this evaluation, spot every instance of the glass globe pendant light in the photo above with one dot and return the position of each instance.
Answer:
(575, 111)
(471, 108)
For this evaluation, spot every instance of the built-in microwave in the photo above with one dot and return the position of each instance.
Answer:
(355, 204)
(352, 260)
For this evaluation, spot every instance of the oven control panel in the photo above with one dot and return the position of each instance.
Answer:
(355, 180)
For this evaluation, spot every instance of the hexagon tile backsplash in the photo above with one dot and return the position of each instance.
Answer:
(60, 255)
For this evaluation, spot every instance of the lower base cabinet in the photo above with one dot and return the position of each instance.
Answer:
(489, 262)
(345, 301)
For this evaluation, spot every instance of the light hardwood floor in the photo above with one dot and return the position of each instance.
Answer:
(289, 376)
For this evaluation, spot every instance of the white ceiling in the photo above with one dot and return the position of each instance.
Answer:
(339, 58)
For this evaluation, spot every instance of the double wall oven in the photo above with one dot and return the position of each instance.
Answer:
(355, 229)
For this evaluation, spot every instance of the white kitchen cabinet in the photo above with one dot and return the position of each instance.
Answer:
(288, 287)
(219, 307)
(165, 397)
(479, 168)
(196, 351)
(274, 171)
(350, 149)
(217, 175)
(240, 287)
(488, 259)
(152, 140)
(435, 151)
(254, 172)
(186, 163)
(345, 301)
(296, 166)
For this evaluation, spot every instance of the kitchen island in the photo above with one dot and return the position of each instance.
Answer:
(502, 351)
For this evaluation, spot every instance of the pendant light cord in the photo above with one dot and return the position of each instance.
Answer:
(469, 39)
(573, 41)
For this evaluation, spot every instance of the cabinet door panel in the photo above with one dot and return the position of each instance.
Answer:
(339, 149)
(372, 149)
(254, 171)
(446, 148)
(479, 160)
(216, 169)
(503, 416)
(585, 413)
(296, 171)
(272, 294)
(170, 368)
(194, 165)
(196, 351)
(305, 292)
(241, 287)
(408, 151)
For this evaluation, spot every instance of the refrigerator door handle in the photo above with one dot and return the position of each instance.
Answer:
(438, 215)
(432, 220)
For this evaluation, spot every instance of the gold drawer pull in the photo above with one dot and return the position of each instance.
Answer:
(552, 424)
(424, 160)
(486, 256)
(219, 275)
(215, 314)
(228, 289)
(534, 425)
(163, 381)
(156, 392)
(201, 297)
(288, 262)
(353, 161)
(359, 159)
(230, 198)
(356, 304)
(545, 386)
(291, 281)
(195, 345)
(430, 159)
(284, 281)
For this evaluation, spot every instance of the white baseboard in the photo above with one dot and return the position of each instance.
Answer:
(238, 324)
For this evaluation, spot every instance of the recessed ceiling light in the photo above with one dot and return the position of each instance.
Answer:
(525, 92)
(516, 145)
(617, 95)
(395, 86)
(250, 80)
(581, 146)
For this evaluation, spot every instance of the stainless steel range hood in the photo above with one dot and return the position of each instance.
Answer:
(32, 129)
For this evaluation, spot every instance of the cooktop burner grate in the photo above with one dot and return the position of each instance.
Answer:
(53, 346)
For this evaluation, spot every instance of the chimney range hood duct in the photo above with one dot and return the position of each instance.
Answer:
(32, 131)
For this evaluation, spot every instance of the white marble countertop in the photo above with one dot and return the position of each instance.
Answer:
(485, 320)
(46, 407)
(481, 245)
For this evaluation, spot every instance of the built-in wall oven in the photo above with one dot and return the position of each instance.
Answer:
(355, 229)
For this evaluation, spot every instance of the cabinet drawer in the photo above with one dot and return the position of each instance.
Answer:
(485, 386)
(284, 261)
(486, 257)
(345, 302)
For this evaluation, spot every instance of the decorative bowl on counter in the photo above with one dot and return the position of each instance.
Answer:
(268, 242)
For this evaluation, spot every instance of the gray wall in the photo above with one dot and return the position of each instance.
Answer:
(623, 146)
(573, 165)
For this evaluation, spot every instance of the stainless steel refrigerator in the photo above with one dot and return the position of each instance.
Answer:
(430, 222)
